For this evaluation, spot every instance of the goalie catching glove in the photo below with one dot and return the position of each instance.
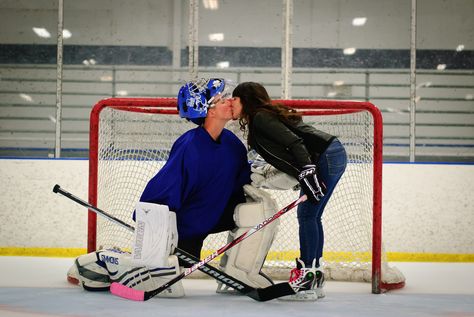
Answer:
(266, 176)
(310, 184)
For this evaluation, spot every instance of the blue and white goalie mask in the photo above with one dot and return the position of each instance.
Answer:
(196, 97)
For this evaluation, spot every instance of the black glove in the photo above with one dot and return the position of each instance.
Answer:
(311, 186)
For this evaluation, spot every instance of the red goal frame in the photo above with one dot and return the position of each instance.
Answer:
(168, 106)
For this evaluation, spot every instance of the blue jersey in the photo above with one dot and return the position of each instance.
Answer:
(198, 180)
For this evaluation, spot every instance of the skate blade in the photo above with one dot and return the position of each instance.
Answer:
(301, 296)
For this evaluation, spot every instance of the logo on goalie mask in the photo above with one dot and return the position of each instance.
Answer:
(196, 97)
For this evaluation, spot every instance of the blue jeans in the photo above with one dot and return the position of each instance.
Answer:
(331, 165)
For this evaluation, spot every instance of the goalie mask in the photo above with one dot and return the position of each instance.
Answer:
(196, 97)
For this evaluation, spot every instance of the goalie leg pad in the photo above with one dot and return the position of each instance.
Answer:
(146, 279)
(155, 235)
(90, 272)
(97, 270)
(245, 260)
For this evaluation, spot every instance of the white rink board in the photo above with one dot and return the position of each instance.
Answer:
(426, 207)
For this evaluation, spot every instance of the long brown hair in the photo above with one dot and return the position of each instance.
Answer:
(254, 98)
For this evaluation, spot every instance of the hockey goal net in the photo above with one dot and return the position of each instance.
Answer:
(130, 140)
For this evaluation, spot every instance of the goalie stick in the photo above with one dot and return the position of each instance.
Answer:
(258, 294)
(133, 294)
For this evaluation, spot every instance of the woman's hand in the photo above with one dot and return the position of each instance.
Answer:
(310, 183)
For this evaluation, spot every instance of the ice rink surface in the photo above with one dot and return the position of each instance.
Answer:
(36, 287)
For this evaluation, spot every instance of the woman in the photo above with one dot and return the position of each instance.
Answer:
(317, 159)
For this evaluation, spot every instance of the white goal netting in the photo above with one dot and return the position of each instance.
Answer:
(130, 143)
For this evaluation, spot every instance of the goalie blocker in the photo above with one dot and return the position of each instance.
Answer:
(265, 175)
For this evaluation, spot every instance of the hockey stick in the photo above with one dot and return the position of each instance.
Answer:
(133, 294)
(258, 294)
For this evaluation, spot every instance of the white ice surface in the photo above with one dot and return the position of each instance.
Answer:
(37, 287)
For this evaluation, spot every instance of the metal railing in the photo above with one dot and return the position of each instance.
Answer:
(444, 112)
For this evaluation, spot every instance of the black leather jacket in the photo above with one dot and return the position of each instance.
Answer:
(287, 147)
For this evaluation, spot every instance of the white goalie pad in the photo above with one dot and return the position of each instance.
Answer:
(265, 175)
(245, 260)
(155, 235)
(97, 270)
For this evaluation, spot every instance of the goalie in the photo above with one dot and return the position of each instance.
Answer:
(203, 188)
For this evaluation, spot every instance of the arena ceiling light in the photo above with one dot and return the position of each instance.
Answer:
(349, 51)
(89, 62)
(211, 4)
(359, 21)
(223, 64)
(66, 34)
(42, 32)
(216, 37)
